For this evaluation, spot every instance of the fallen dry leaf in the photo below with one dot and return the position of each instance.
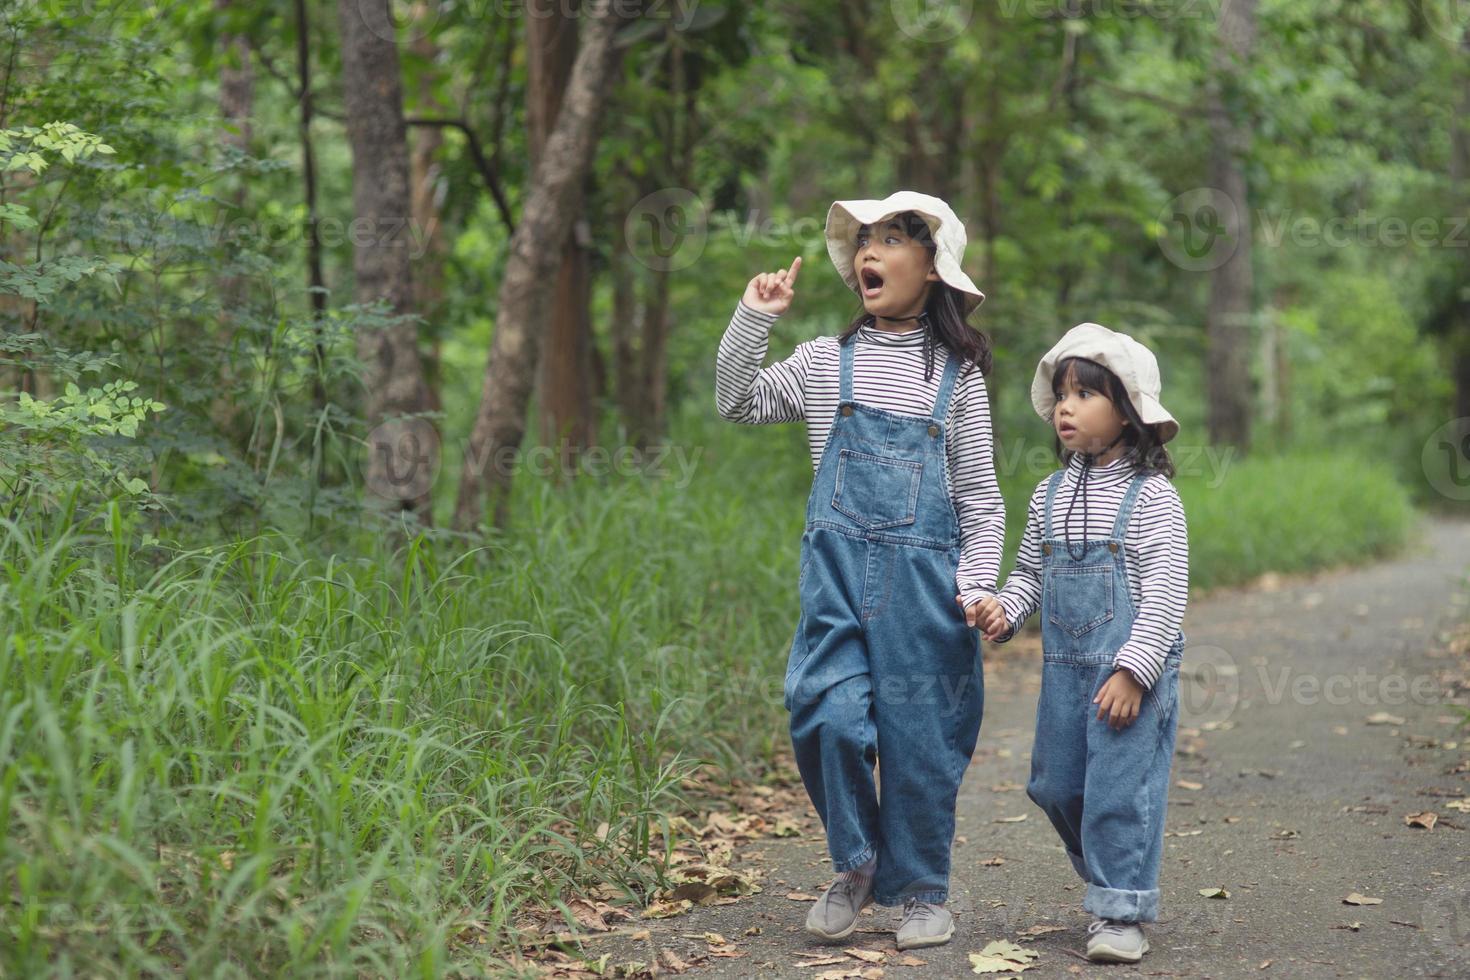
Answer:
(1214, 893)
(663, 910)
(1463, 806)
(1356, 899)
(1031, 932)
(827, 960)
(698, 892)
(912, 961)
(1425, 819)
(1002, 956)
(866, 955)
(801, 897)
(1383, 718)
(1354, 926)
(1009, 819)
(1188, 784)
(672, 962)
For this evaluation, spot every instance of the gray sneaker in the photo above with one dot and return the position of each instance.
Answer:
(1111, 941)
(924, 924)
(835, 915)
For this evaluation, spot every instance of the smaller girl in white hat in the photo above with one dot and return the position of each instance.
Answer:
(1105, 556)
(904, 510)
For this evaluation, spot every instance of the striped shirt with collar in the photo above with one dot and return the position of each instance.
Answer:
(888, 373)
(1155, 552)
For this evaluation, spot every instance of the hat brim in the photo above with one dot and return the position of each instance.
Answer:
(844, 218)
(1150, 410)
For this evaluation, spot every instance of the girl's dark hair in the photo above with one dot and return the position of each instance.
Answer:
(1141, 440)
(944, 313)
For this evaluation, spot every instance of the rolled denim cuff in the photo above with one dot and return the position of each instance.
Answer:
(1122, 904)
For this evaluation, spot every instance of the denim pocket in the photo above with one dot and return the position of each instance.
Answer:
(876, 491)
(1165, 694)
(1079, 599)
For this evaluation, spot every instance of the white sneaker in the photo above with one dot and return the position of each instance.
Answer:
(1111, 941)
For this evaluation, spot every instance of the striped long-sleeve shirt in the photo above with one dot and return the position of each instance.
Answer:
(888, 373)
(1155, 551)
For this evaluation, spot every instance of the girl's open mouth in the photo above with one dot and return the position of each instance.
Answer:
(872, 283)
(1066, 430)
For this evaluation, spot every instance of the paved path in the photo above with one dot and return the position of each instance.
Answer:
(1301, 802)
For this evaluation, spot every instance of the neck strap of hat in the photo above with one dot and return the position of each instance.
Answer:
(1087, 460)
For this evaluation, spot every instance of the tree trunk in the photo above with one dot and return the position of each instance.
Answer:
(1228, 319)
(425, 180)
(316, 285)
(397, 467)
(565, 384)
(1460, 174)
(535, 251)
(623, 331)
(236, 107)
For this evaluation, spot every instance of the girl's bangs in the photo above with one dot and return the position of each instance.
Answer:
(1084, 374)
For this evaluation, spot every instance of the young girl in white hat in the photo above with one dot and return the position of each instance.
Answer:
(904, 510)
(1105, 555)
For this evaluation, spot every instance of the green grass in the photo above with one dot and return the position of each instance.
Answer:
(263, 758)
(1289, 513)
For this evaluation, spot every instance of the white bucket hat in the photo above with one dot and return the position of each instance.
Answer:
(1133, 363)
(844, 218)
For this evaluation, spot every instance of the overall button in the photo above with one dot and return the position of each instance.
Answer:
(934, 430)
(846, 409)
(1113, 547)
(1046, 549)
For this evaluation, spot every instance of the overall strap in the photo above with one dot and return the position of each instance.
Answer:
(844, 384)
(1051, 492)
(1125, 509)
(946, 386)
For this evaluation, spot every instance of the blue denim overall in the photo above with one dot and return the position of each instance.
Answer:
(1104, 790)
(883, 666)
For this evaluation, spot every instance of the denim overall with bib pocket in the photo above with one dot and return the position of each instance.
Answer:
(1104, 790)
(883, 666)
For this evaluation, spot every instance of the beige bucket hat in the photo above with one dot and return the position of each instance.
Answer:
(1133, 363)
(844, 218)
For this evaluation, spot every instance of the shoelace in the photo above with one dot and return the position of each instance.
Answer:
(1109, 926)
(917, 909)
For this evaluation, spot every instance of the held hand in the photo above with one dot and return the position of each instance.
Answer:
(772, 292)
(1119, 699)
(987, 614)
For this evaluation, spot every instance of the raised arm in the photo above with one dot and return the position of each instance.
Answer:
(744, 391)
